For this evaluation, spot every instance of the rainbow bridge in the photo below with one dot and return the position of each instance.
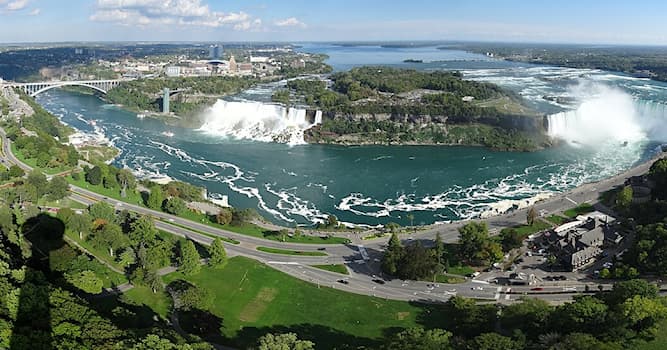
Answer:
(34, 89)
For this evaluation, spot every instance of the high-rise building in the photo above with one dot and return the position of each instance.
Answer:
(215, 52)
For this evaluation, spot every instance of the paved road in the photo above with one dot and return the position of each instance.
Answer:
(362, 272)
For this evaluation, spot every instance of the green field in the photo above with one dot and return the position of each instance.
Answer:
(578, 210)
(290, 252)
(140, 295)
(132, 196)
(460, 270)
(556, 219)
(337, 268)
(660, 341)
(253, 299)
(526, 230)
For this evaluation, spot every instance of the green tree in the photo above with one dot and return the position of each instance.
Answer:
(411, 218)
(472, 236)
(94, 176)
(143, 230)
(102, 210)
(625, 290)
(126, 180)
(37, 179)
(510, 239)
(439, 248)
(283, 342)
(586, 314)
(531, 215)
(189, 259)
(332, 221)
(58, 188)
(419, 339)
(218, 255)
(224, 217)
(643, 313)
(392, 255)
(493, 341)
(81, 224)
(127, 257)
(416, 262)
(174, 205)
(531, 316)
(16, 171)
(155, 198)
(87, 281)
(624, 197)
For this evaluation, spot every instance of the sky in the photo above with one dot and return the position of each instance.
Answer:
(640, 22)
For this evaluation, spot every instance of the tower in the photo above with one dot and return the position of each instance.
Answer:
(165, 100)
(232, 64)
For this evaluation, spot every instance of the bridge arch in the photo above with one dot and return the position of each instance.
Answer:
(49, 87)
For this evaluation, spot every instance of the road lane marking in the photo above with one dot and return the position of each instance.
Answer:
(573, 202)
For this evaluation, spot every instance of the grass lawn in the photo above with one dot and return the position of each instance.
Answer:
(140, 295)
(337, 268)
(578, 210)
(63, 203)
(660, 341)
(132, 196)
(33, 162)
(460, 270)
(449, 279)
(256, 231)
(556, 219)
(253, 299)
(537, 226)
(290, 252)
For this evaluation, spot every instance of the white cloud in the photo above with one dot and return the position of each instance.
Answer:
(290, 22)
(17, 5)
(169, 12)
(35, 12)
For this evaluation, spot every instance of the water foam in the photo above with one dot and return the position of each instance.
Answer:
(258, 121)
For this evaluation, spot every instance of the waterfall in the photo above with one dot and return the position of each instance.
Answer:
(612, 116)
(258, 121)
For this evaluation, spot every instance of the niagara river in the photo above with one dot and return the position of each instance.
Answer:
(607, 122)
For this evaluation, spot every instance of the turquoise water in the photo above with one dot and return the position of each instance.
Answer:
(374, 184)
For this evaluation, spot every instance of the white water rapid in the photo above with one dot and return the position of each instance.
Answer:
(610, 116)
(258, 121)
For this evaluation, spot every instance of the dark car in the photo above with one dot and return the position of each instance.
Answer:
(378, 281)
(322, 248)
(343, 281)
(537, 289)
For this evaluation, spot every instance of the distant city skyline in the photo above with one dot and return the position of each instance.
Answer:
(595, 22)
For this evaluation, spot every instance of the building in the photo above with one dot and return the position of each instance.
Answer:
(215, 52)
(173, 71)
(233, 68)
(578, 243)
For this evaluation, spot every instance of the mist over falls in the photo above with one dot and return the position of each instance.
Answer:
(610, 116)
(259, 121)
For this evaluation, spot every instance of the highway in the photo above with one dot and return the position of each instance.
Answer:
(362, 271)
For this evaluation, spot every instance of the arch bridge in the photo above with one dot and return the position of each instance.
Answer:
(34, 89)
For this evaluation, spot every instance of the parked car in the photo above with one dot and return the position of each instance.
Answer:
(343, 281)
(378, 281)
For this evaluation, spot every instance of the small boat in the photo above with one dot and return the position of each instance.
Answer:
(168, 134)
(624, 144)
(141, 116)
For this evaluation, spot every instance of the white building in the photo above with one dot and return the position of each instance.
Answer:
(173, 71)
